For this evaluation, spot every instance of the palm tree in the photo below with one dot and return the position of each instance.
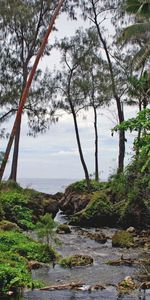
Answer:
(138, 31)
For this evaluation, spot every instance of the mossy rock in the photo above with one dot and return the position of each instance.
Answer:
(63, 228)
(135, 213)
(76, 260)
(99, 212)
(122, 238)
(7, 226)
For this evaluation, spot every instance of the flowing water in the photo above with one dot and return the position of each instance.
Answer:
(98, 273)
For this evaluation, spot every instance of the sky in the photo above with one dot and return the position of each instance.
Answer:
(55, 154)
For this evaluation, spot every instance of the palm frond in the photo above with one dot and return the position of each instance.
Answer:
(141, 56)
(140, 7)
(134, 31)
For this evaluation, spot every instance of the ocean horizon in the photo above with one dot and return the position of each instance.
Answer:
(46, 185)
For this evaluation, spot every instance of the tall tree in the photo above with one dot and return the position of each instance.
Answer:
(83, 83)
(96, 11)
(72, 87)
(96, 73)
(23, 24)
(27, 86)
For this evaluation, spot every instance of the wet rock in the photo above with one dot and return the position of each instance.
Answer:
(63, 229)
(76, 261)
(126, 285)
(122, 262)
(96, 287)
(98, 236)
(33, 265)
(131, 229)
(122, 238)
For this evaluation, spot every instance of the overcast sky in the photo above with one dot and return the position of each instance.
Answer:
(55, 154)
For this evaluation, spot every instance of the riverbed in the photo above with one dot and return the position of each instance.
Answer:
(97, 273)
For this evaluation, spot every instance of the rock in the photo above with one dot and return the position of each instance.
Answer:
(122, 262)
(131, 229)
(33, 265)
(76, 261)
(96, 287)
(122, 238)
(73, 201)
(63, 229)
(98, 212)
(41, 203)
(99, 236)
(7, 226)
(126, 285)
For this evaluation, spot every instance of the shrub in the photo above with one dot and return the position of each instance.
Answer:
(81, 186)
(26, 247)
(14, 204)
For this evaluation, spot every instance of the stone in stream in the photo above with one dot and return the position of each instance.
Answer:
(122, 238)
(97, 236)
(126, 285)
(76, 260)
(63, 229)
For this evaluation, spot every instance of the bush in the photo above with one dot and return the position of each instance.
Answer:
(14, 206)
(15, 251)
(81, 186)
(26, 247)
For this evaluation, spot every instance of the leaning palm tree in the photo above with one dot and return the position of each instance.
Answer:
(140, 30)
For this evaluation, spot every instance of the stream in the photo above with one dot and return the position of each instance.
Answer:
(98, 273)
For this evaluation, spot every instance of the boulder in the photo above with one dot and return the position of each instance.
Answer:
(98, 212)
(99, 236)
(41, 203)
(76, 261)
(122, 238)
(74, 201)
(63, 229)
(7, 226)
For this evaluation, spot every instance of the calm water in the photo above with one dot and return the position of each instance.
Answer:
(46, 185)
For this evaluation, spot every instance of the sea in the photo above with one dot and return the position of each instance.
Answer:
(46, 185)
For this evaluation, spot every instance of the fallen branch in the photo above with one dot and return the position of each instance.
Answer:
(68, 286)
